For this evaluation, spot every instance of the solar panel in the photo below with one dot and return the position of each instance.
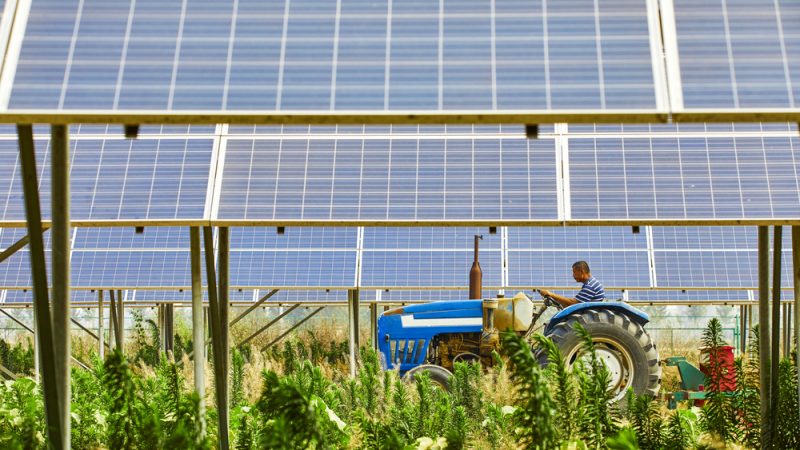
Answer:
(685, 177)
(315, 55)
(554, 267)
(427, 267)
(388, 179)
(739, 54)
(118, 179)
(292, 268)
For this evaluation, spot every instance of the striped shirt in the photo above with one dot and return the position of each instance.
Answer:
(592, 291)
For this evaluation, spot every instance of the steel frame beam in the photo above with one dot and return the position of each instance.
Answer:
(285, 333)
(271, 323)
(254, 306)
(14, 248)
(57, 430)
(352, 326)
(210, 222)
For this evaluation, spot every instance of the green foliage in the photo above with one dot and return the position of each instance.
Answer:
(718, 417)
(535, 416)
(647, 422)
(465, 388)
(681, 432)
(22, 424)
(564, 386)
(146, 338)
(17, 358)
(787, 433)
(237, 378)
(597, 416)
(746, 401)
(625, 439)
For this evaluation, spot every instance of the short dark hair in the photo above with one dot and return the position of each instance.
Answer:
(583, 266)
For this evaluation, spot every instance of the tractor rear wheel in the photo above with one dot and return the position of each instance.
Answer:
(438, 375)
(621, 344)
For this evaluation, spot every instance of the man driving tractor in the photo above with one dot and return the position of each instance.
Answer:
(592, 290)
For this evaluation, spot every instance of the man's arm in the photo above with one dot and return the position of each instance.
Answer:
(565, 301)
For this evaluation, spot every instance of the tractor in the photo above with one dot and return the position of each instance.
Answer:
(432, 337)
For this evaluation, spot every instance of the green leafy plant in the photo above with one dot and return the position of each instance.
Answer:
(718, 416)
(535, 416)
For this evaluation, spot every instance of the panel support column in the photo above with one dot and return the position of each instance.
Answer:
(775, 357)
(352, 315)
(100, 319)
(57, 433)
(217, 340)
(764, 347)
(198, 323)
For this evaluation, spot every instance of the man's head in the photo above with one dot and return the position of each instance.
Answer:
(580, 271)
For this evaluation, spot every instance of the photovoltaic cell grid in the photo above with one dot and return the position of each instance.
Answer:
(354, 179)
(324, 55)
(117, 179)
(685, 177)
(739, 54)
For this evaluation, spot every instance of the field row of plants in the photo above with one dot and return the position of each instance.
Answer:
(298, 395)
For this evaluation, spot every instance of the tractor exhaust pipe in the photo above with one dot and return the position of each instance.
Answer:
(475, 275)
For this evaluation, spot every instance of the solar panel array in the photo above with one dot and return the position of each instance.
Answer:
(417, 56)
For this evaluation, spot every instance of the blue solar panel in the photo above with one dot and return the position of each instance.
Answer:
(590, 238)
(119, 179)
(320, 55)
(678, 178)
(554, 267)
(714, 268)
(739, 54)
(293, 238)
(427, 267)
(455, 238)
(389, 179)
(141, 268)
(292, 268)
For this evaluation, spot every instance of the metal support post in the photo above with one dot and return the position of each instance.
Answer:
(121, 321)
(796, 291)
(113, 327)
(742, 329)
(373, 325)
(293, 327)
(220, 375)
(764, 347)
(100, 333)
(352, 315)
(57, 433)
(776, 324)
(198, 325)
(169, 327)
(223, 247)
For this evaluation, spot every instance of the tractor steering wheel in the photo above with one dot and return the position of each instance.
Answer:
(549, 301)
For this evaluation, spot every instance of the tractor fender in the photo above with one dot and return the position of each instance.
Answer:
(637, 316)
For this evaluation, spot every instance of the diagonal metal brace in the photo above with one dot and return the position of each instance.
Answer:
(271, 323)
(276, 340)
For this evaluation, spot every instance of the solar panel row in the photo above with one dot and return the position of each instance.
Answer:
(698, 257)
(377, 178)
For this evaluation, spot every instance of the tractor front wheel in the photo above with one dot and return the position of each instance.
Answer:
(621, 344)
(438, 375)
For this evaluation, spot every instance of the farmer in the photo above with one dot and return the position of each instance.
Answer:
(592, 290)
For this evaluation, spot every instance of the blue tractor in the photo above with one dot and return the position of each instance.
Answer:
(432, 337)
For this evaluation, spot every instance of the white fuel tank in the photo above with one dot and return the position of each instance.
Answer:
(515, 313)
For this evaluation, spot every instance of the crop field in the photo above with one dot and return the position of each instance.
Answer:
(298, 394)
